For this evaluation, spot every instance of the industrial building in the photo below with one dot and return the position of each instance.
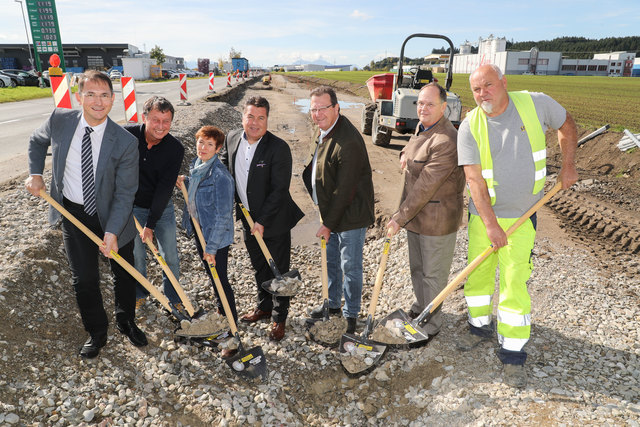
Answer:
(493, 50)
(82, 56)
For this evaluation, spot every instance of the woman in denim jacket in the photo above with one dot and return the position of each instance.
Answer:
(211, 198)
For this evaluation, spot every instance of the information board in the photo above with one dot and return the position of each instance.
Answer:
(45, 31)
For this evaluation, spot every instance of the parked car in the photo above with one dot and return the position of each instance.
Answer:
(115, 74)
(17, 80)
(6, 81)
(29, 79)
(169, 74)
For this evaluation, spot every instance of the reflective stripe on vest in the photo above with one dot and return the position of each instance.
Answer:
(527, 112)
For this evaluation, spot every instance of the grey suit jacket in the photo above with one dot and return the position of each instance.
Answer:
(116, 173)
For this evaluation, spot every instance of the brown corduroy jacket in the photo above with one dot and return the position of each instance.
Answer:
(432, 194)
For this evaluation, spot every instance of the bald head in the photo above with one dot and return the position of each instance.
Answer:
(489, 88)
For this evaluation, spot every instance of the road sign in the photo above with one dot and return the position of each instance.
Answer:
(45, 31)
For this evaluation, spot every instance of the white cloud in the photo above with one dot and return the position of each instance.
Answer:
(360, 15)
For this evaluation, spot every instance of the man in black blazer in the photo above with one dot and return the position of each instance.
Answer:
(95, 177)
(261, 164)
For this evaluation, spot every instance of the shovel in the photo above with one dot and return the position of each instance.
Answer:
(412, 330)
(116, 257)
(323, 330)
(172, 278)
(360, 355)
(290, 278)
(245, 363)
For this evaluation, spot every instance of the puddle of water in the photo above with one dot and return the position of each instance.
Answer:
(304, 104)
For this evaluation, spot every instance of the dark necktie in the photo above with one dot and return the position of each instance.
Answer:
(88, 183)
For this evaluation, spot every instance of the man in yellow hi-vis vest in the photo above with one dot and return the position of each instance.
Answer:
(501, 145)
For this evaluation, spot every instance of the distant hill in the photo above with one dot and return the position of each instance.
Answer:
(571, 47)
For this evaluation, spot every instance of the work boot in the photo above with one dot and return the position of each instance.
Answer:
(469, 341)
(318, 312)
(351, 325)
(515, 375)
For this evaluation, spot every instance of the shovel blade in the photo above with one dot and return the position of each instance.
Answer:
(292, 274)
(249, 363)
(359, 355)
(211, 341)
(413, 334)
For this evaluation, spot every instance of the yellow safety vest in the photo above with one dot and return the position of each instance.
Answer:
(527, 111)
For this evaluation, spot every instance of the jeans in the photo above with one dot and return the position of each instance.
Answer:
(344, 264)
(165, 234)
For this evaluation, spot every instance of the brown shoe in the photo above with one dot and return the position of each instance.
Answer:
(255, 316)
(228, 352)
(277, 331)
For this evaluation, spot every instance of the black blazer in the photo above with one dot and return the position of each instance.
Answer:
(268, 183)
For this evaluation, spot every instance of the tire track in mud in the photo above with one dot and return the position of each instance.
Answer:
(593, 221)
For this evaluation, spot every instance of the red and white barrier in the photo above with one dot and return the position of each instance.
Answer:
(236, 76)
(228, 79)
(60, 89)
(183, 87)
(211, 77)
(129, 97)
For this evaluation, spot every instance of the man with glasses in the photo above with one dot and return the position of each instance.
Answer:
(338, 178)
(95, 177)
(432, 202)
(161, 156)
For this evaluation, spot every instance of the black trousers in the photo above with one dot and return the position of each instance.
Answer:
(82, 254)
(222, 256)
(280, 248)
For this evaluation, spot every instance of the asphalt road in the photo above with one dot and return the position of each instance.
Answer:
(19, 119)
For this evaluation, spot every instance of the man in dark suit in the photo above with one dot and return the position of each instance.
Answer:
(95, 177)
(261, 163)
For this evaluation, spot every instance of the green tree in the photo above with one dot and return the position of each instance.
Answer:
(158, 54)
(234, 53)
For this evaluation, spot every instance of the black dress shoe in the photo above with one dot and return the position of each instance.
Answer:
(318, 312)
(351, 325)
(135, 335)
(92, 346)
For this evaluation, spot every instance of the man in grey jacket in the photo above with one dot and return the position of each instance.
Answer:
(95, 177)
(431, 204)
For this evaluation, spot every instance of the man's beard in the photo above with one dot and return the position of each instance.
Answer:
(486, 106)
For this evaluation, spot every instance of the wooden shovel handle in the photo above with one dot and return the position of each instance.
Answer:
(383, 265)
(172, 278)
(212, 268)
(325, 272)
(480, 258)
(261, 243)
(117, 258)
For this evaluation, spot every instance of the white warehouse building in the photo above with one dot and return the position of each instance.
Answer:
(493, 50)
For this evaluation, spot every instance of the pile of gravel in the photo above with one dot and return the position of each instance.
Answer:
(583, 355)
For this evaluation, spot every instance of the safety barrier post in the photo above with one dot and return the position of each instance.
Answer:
(228, 79)
(183, 90)
(211, 77)
(59, 84)
(129, 97)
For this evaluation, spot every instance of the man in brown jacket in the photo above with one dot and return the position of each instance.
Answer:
(431, 205)
(338, 177)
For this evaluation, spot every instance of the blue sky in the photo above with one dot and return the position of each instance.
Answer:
(340, 32)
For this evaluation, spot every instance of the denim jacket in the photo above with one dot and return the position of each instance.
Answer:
(214, 202)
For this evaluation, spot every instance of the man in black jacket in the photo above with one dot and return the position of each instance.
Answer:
(261, 164)
(160, 159)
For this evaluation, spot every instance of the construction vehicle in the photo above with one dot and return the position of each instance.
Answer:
(266, 80)
(395, 96)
